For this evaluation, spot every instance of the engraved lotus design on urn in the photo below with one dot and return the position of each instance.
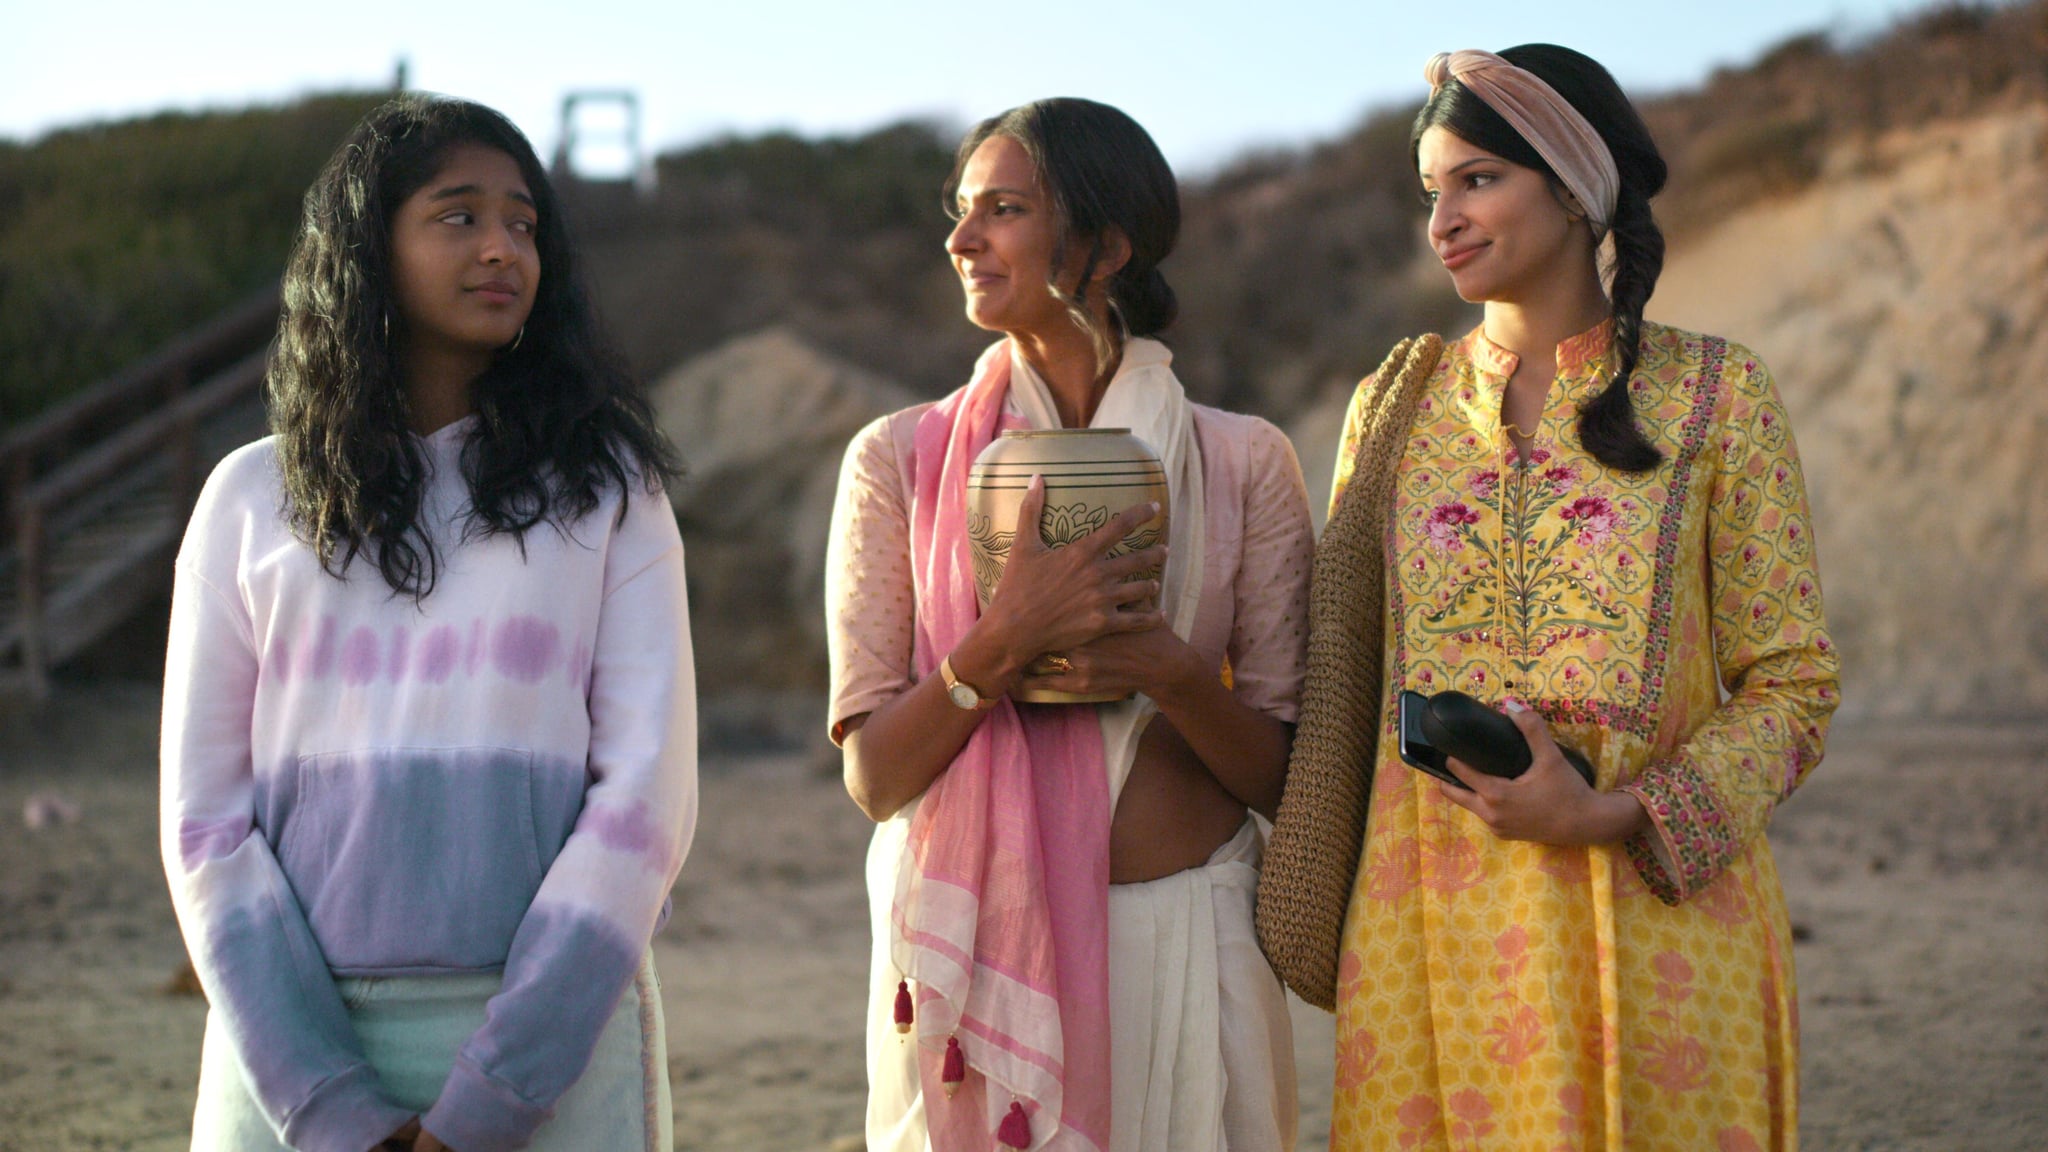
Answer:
(1091, 474)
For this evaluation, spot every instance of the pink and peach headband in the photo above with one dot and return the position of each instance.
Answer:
(1546, 120)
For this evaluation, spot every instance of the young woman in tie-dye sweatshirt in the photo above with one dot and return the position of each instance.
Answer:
(429, 736)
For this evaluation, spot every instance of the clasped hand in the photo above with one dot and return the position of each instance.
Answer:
(1082, 603)
(412, 1138)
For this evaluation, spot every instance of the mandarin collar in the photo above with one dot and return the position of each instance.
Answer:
(1575, 355)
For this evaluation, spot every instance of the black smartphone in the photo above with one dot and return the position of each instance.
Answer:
(1416, 749)
(1433, 728)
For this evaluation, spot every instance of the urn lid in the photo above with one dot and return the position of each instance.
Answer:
(1028, 433)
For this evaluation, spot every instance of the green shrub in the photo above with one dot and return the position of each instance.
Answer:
(114, 238)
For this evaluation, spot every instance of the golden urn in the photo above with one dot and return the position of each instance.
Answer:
(1091, 475)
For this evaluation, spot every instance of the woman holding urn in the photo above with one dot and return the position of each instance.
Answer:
(1062, 894)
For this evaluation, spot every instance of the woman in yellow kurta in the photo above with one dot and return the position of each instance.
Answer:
(1600, 525)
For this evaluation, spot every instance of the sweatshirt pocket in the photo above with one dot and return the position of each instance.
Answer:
(413, 859)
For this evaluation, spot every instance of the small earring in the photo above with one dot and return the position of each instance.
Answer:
(387, 327)
(514, 346)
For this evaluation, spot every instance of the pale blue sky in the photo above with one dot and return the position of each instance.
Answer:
(1209, 79)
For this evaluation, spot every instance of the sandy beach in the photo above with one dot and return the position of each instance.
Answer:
(1915, 863)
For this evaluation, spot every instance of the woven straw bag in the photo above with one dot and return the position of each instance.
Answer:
(1312, 856)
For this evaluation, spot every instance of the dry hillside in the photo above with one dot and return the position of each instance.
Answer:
(1872, 218)
(1902, 300)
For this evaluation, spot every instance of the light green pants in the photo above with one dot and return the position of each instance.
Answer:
(411, 1027)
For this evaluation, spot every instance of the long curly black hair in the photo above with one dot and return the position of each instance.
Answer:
(1607, 425)
(561, 422)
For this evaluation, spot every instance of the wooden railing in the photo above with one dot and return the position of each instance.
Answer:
(104, 482)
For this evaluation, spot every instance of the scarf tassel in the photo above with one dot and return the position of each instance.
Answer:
(954, 1069)
(903, 1011)
(1015, 1130)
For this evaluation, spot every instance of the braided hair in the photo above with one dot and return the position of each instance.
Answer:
(1607, 425)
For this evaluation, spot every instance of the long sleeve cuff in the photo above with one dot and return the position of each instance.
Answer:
(345, 1114)
(1698, 838)
(479, 1114)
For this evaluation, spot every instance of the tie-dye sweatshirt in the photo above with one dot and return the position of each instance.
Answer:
(501, 776)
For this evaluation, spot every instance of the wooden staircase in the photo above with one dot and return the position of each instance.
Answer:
(97, 490)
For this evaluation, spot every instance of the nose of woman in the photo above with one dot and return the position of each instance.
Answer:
(1445, 220)
(965, 236)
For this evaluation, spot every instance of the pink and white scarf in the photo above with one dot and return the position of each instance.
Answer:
(1002, 902)
(1000, 908)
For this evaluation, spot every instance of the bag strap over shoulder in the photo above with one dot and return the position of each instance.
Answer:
(1312, 857)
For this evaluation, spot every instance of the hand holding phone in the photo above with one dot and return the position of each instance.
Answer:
(1451, 724)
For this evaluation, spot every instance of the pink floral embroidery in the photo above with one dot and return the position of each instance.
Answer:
(1446, 525)
(1701, 837)
(1561, 477)
(1485, 484)
(1595, 520)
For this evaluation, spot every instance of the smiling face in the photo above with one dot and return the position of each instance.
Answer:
(464, 266)
(1500, 229)
(1002, 246)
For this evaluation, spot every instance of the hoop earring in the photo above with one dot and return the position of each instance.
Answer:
(514, 345)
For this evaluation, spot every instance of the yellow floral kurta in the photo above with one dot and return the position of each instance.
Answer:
(1504, 995)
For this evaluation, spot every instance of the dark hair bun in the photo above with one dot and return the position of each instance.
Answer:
(1105, 175)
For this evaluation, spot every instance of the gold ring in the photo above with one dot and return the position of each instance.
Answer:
(1058, 662)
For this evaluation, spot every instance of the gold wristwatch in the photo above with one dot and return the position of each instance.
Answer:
(962, 694)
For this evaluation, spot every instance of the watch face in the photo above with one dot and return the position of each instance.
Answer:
(964, 696)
